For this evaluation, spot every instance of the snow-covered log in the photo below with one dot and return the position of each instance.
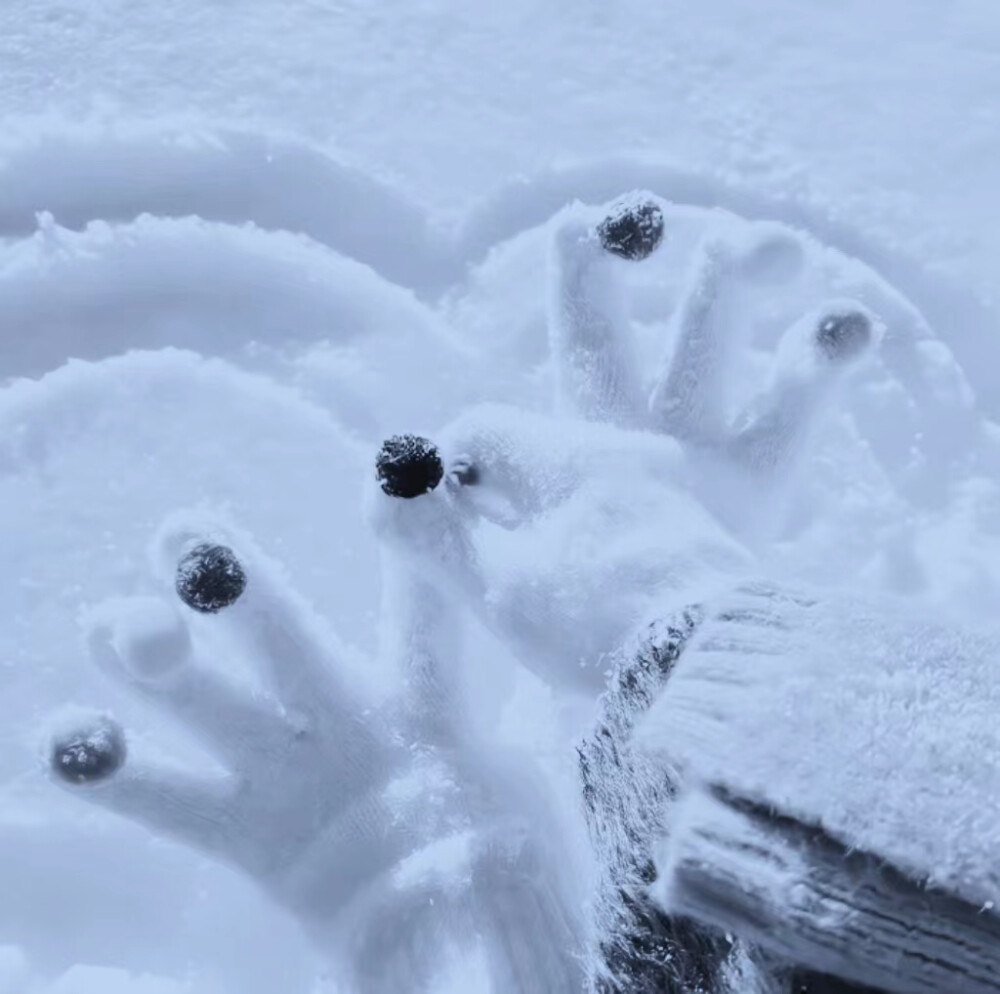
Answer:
(839, 763)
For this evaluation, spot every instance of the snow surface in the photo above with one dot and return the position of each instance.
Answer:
(315, 223)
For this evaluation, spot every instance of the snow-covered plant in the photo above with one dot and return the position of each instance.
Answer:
(416, 854)
(624, 527)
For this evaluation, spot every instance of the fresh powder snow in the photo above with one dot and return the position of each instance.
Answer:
(243, 245)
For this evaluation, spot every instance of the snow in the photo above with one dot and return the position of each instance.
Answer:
(88, 979)
(242, 245)
(13, 970)
(793, 100)
(758, 707)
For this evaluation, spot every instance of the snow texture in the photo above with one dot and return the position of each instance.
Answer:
(383, 823)
(233, 309)
(390, 836)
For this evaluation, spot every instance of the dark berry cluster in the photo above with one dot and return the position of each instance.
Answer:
(90, 755)
(209, 578)
(632, 230)
(408, 466)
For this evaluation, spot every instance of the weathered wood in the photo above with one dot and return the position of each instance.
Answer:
(810, 982)
(799, 894)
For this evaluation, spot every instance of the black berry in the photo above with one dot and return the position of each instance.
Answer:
(210, 577)
(408, 466)
(90, 756)
(842, 336)
(632, 230)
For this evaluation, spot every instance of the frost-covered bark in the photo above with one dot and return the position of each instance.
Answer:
(810, 899)
(626, 798)
(738, 868)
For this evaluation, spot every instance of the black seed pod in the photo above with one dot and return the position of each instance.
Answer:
(89, 756)
(844, 335)
(632, 230)
(209, 578)
(408, 466)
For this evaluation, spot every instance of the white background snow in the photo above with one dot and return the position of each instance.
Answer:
(323, 221)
